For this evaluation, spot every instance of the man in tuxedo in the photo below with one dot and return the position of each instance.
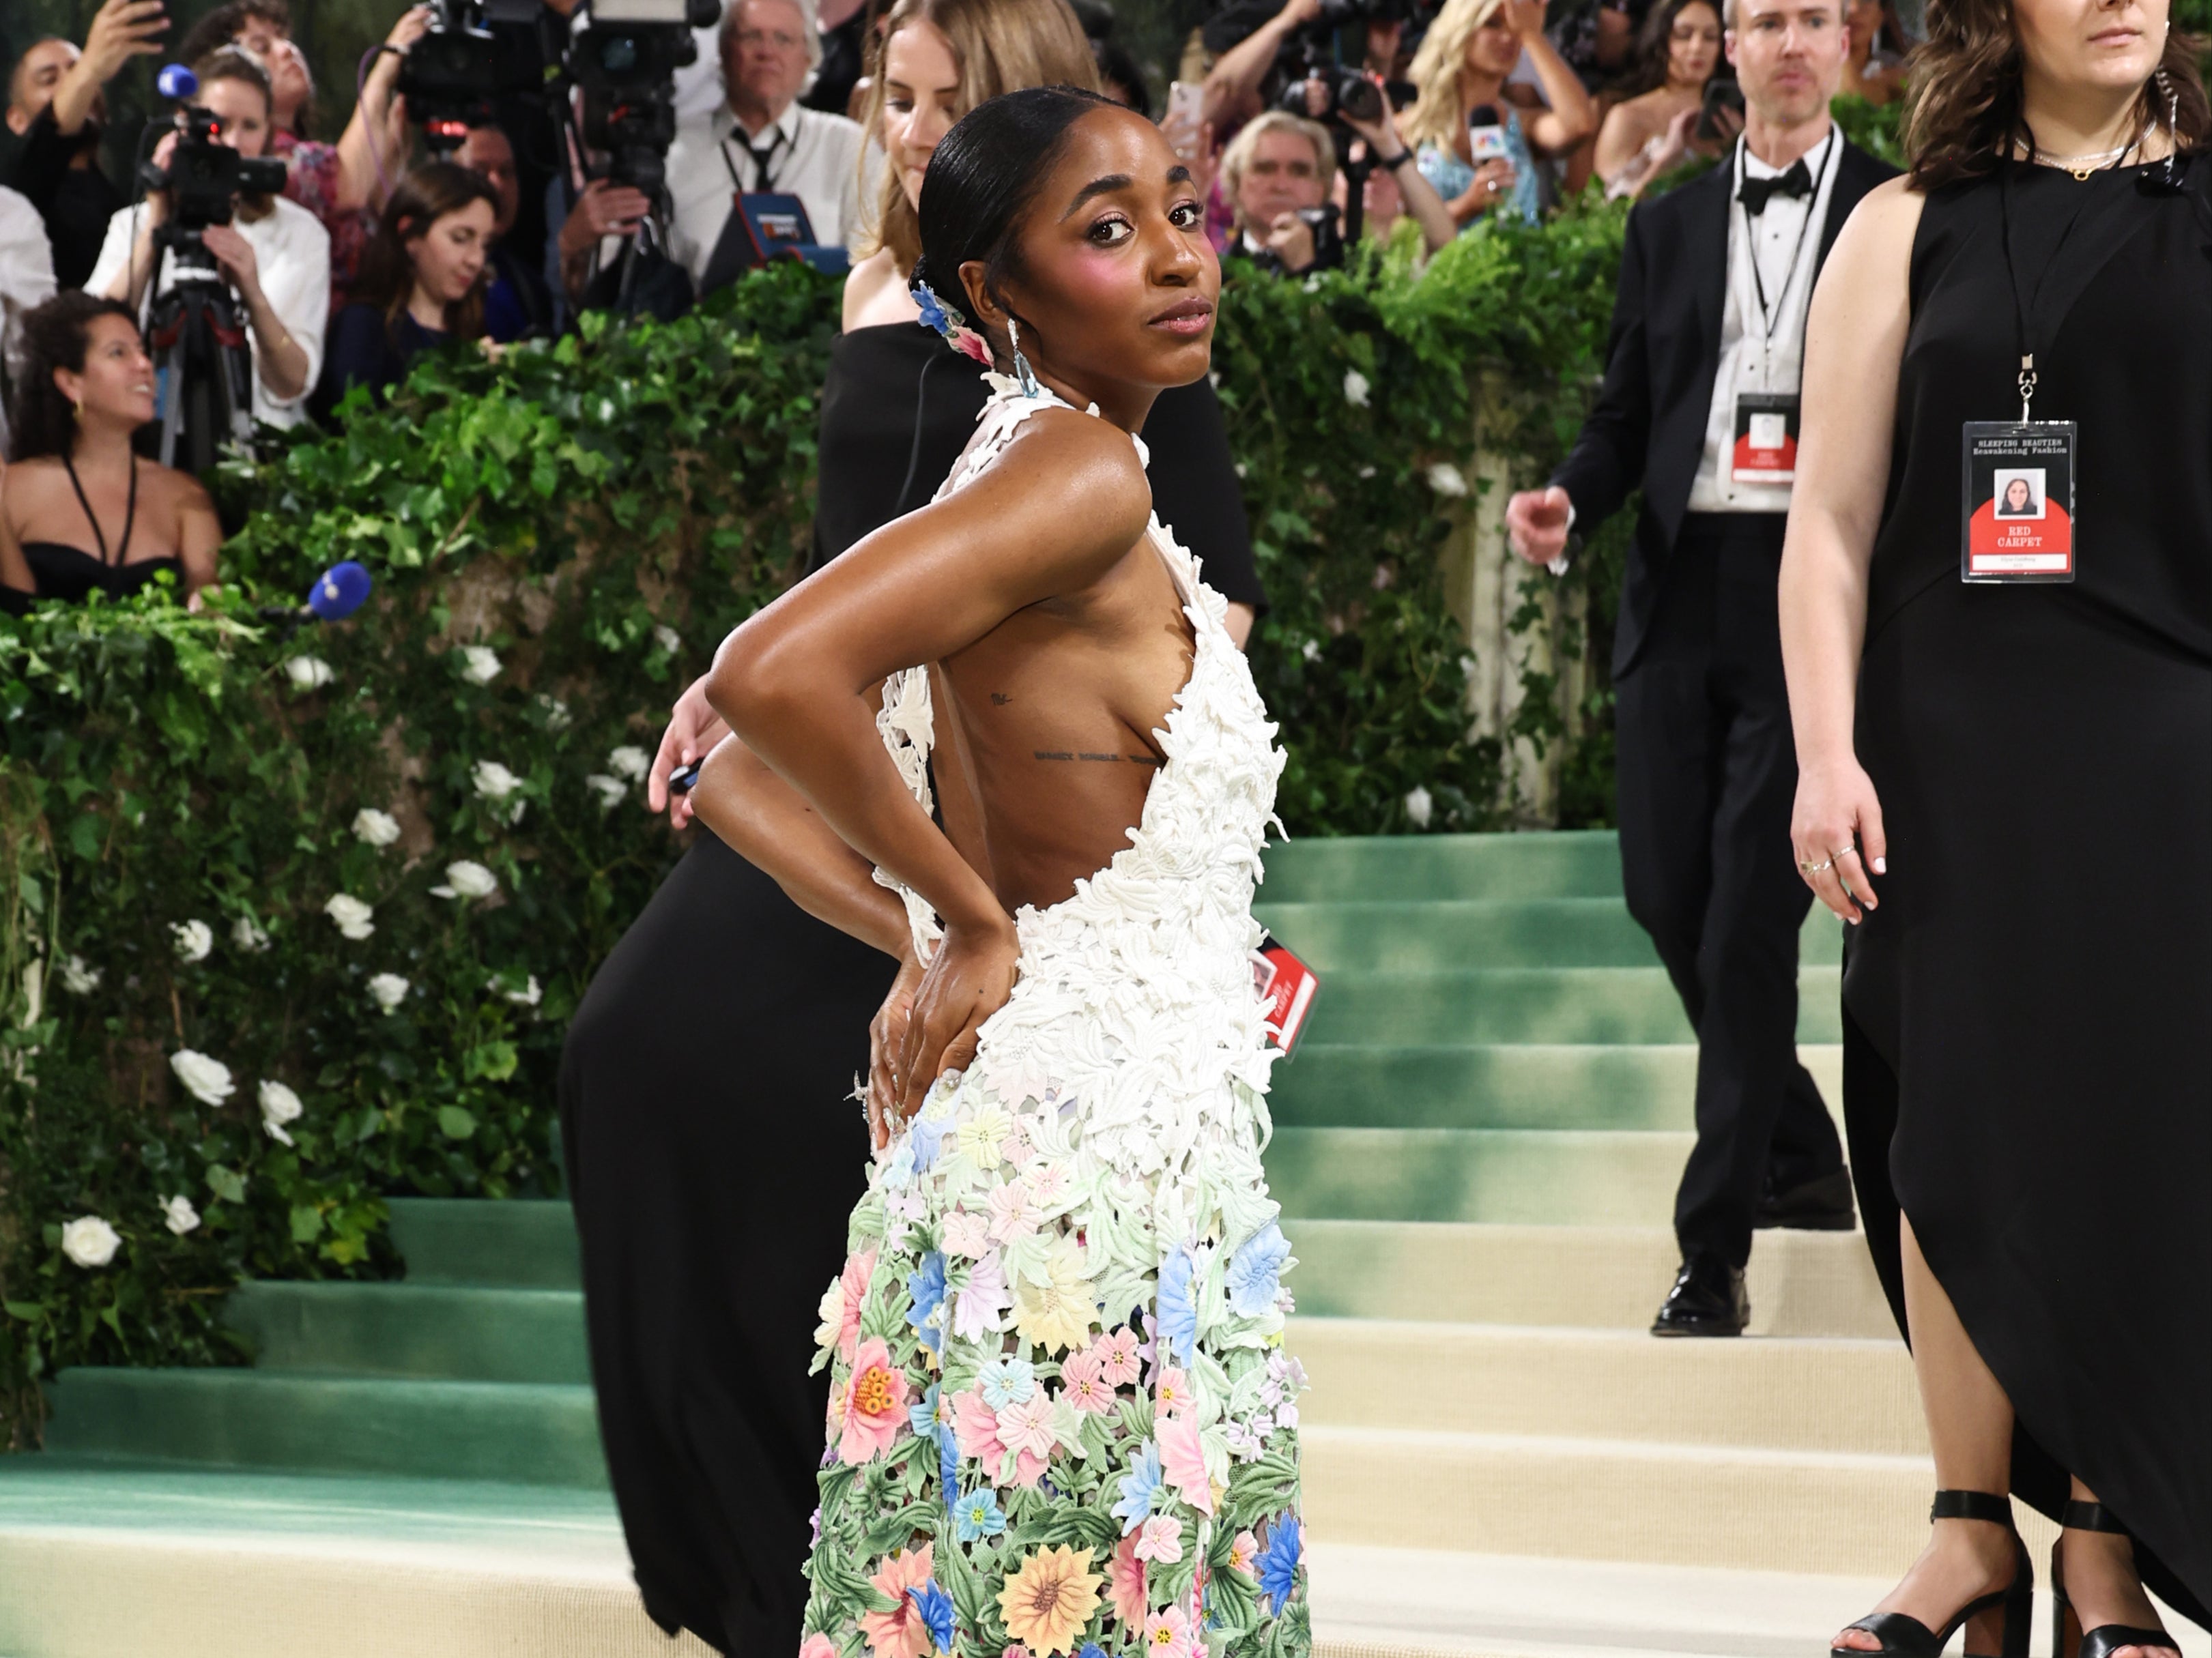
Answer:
(1699, 411)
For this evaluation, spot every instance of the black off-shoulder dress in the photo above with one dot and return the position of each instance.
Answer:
(2026, 1067)
(711, 1150)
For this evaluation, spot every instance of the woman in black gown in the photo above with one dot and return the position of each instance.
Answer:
(2005, 786)
(713, 1156)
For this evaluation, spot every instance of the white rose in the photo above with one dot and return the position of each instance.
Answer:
(78, 979)
(557, 717)
(279, 1105)
(631, 761)
(1355, 388)
(494, 782)
(90, 1241)
(1447, 479)
(668, 639)
(178, 1214)
(1418, 806)
(528, 996)
(194, 939)
(207, 1080)
(612, 791)
(378, 829)
(247, 937)
(1311, 650)
(350, 914)
(469, 879)
(307, 672)
(479, 663)
(389, 989)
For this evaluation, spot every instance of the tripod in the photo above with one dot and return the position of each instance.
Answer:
(204, 369)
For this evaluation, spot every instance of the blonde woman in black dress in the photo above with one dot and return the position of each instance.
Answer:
(2005, 787)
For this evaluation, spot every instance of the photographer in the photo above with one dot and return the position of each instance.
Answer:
(1277, 173)
(55, 106)
(340, 183)
(1466, 59)
(762, 138)
(276, 254)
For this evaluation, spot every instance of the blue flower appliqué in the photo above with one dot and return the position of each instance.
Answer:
(1009, 1380)
(935, 1607)
(1140, 1489)
(1279, 1566)
(924, 1139)
(1255, 1272)
(977, 1515)
(1178, 1305)
(925, 1287)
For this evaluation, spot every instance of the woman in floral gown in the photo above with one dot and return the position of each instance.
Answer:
(1061, 1421)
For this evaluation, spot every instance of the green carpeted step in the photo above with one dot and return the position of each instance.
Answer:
(1472, 1007)
(1414, 936)
(524, 1243)
(1519, 1085)
(457, 1333)
(1579, 864)
(1554, 1177)
(533, 1433)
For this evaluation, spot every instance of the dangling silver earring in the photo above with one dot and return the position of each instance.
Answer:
(1023, 375)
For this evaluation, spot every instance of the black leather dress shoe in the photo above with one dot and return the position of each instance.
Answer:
(1822, 1203)
(1708, 1299)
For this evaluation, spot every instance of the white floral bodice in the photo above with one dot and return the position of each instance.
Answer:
(1136, 994)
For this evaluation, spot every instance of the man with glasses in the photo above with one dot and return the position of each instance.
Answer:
(762, 139)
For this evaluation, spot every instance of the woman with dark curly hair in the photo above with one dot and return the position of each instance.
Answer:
(2001, 728)
(1649, 133)
(82, 513)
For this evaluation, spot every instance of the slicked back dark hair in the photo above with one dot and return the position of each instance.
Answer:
(985, 174)
(56, 334)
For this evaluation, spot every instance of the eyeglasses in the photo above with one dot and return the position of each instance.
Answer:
(777, 38)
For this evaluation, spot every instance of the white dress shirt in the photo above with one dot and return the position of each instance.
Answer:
(292, 253)
(27, 270)
(1748, 363)
(816, 158)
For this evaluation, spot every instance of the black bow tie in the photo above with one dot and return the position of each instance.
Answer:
(1757, 192)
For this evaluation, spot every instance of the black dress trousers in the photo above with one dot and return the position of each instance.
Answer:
(1707, 774)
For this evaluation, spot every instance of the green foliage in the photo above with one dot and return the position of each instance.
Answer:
(559, 538)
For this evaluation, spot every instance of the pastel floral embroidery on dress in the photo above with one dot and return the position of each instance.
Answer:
(1059, 1396)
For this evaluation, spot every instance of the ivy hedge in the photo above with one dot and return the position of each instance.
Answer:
(292, 921)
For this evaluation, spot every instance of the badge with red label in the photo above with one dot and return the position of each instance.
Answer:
(2019, 501)
(1288, 986)
(1765, 450)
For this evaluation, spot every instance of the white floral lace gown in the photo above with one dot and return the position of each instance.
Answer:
(1061, 1418)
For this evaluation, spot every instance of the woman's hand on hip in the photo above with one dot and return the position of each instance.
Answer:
(886, 1041)
(1837, 835)
(968, 981)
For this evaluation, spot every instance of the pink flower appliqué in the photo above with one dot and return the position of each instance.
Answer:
(1125, 1584)
(1025, 1426)
(900, 1633)
(1118, 1358)
(976, 1430)
(818, 1645)
(969, 343)
(1013, 1211)
(1167, 1634)
(1184, 1463)
(875, 1404)
(975, 1312)
(859, 1270)
(967, 1235)
(1160, 1539)
(1082, 1381)
(1173, 1396)
(1244, 1554)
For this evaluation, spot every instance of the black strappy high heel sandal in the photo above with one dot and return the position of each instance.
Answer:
(2106, 1638)
(1903, 1635)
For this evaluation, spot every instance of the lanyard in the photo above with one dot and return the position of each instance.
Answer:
(1751, 246)
(2021, 302)
(762, 180)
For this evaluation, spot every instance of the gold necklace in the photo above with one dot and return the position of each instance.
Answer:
(2082, 166)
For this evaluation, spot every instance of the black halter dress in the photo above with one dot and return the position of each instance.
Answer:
(2026, 1064)
(61, 571)
(712, 1153)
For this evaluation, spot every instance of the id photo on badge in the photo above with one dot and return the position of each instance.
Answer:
(2019, 492)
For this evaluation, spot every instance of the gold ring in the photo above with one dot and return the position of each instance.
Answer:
(1814, 869)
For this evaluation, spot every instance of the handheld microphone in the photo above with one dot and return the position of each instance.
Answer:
(337, 593)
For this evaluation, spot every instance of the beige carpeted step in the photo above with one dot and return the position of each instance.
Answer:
(1801, 1283)
(1767, 1510)
(1815, 1394)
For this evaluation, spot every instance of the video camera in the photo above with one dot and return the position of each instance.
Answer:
(205, 177)
(626, 64)
(450, 76)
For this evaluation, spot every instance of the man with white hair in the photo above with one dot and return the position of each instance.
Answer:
(762, 139)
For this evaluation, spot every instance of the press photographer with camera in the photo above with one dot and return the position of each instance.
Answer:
(273, 254)
(1476, 146)
(1279, 171)
(56, 105)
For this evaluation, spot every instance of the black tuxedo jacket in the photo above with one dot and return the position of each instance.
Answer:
(1648, 426)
